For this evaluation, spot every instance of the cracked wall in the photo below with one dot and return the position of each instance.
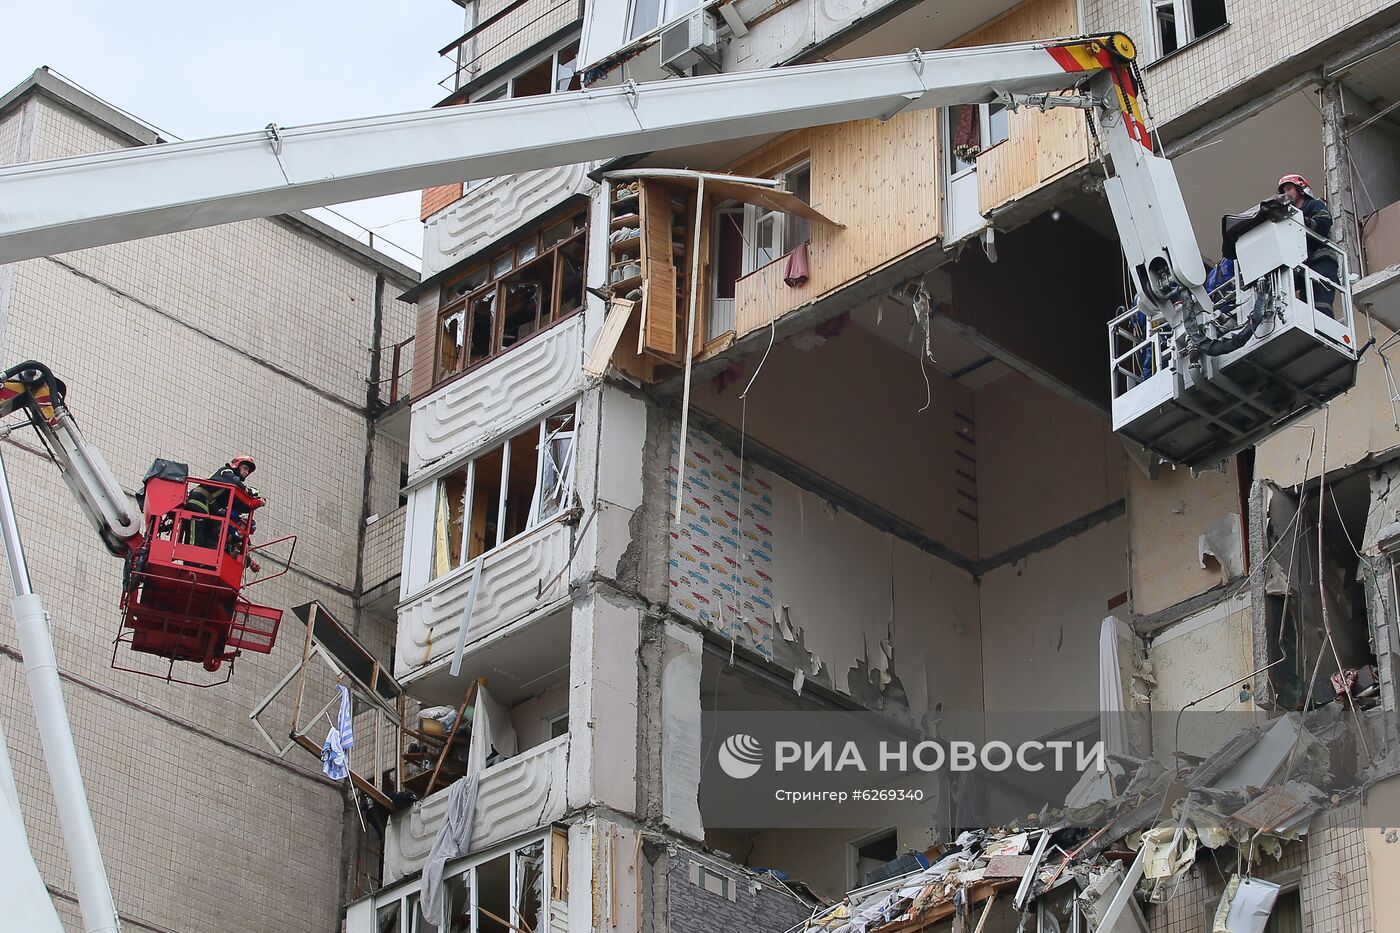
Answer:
(784, 573)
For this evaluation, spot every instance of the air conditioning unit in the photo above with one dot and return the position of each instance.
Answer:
(690, 41)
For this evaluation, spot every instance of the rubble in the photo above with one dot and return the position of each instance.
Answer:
(1258, 791)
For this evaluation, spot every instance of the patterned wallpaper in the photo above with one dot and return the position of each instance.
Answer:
(722, 549)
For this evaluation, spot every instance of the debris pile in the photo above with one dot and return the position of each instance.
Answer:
(1123, 842)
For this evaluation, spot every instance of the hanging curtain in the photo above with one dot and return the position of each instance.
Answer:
(967, 132)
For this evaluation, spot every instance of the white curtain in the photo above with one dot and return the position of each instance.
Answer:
(491, 727)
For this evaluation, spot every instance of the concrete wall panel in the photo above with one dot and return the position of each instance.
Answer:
(1031, 441)
(1167, 518)
(858, 599)
(1359, 425)
(1041, 618)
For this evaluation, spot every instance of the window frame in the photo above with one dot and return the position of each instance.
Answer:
(718, 213)
(504, 89)
(667, 12)
(985, 140)
(535, 518)
(408, 896)
(1185, 28)
(754, 215)
(461, 303)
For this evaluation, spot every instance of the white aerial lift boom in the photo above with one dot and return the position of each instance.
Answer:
(1195, 376)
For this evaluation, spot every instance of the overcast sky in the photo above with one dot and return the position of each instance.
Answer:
(201, 69)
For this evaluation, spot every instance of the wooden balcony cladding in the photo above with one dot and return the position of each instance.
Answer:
(879, 179)
(1040, 146)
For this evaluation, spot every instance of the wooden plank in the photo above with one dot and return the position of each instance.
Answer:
(882, 180)
(363, 786)
(656, 223)
(619, 312)
(977, 891)
(452, 735)
(772, 156)
(660, 335)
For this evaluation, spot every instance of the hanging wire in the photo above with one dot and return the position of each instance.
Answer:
(1322, 595)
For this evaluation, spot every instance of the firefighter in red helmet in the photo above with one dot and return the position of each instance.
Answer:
(216, 500)
(1322, 258)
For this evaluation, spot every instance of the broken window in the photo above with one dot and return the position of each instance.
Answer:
(535, 81)
(500, 302)
(559, 725)
(1058, 911)
(503, 492)
(566, 76)
(556, 468)
(505, 893)
(386, 918)
(798, 230)
(529, 886)
(972, 129)
(555, 72)
(493, 891)
(1177, 22)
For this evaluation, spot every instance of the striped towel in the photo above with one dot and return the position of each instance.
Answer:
(335, 754)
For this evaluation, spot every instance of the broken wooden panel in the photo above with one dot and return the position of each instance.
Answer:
(662, 337)
(660, 278)
(620, 312)
(656, 222)
(1027, 435)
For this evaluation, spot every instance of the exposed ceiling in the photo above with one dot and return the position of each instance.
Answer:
(1376, 81)
(734, 688)
(520, 664)
(953, 355)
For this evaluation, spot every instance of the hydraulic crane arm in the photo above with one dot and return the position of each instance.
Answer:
(32, 387)
(67, 204)
(1203, 403)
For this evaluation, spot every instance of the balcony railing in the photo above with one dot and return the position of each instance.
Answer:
(508, 31)
(509, 590)
(513, 797)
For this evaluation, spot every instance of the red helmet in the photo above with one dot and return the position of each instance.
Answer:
(237, 462)
(1298, 180)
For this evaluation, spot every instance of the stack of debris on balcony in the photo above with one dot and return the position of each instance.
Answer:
(1094, 863)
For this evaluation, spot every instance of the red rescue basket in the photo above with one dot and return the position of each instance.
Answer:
(182, 590)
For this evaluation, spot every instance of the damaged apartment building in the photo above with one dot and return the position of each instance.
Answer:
(684, 441)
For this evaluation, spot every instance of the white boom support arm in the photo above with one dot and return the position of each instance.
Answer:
(61, 205)
(112, 513)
